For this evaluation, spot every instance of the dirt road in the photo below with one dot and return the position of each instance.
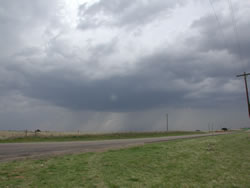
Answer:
(13, 151)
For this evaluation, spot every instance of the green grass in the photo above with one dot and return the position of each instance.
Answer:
(216, 161)
(88, 137)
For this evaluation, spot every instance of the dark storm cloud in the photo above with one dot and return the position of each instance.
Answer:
(160, 80)
(114, 94)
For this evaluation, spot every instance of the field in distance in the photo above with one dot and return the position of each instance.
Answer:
(215, 161)
(47, 136)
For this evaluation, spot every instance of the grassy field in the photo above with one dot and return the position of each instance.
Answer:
(216, 161)
(57, 136)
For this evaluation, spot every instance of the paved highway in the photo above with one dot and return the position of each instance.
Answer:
(14, 151)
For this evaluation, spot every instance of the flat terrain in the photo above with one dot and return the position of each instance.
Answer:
(47, 136)
(214, 161)
(11, 151)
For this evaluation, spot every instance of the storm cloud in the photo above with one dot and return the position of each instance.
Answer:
(110, 65)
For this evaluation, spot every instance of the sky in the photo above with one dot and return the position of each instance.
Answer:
(116, 65)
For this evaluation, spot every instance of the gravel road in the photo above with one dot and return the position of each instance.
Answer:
(14, 151)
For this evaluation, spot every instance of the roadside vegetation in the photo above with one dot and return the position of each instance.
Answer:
(215, 161)
(50, 137)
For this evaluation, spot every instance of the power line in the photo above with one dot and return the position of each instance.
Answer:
(235, 28)
(217, 18)
(166, 122)
(230, 4)
(218, 21)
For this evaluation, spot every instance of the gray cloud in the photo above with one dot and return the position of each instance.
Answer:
(223, 36)
(124, 13)
(55, 76)
(20, 20)
(158, 81)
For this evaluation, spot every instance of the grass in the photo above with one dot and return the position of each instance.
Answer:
(41, 137)
(216, 161)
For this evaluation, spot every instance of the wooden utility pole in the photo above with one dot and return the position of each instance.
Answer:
(245, 78)
(167, 122)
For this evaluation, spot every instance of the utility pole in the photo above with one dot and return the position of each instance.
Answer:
(167, 122)
(245, 78)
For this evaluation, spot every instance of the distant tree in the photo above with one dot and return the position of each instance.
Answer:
(224, 129)
(38, 131)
